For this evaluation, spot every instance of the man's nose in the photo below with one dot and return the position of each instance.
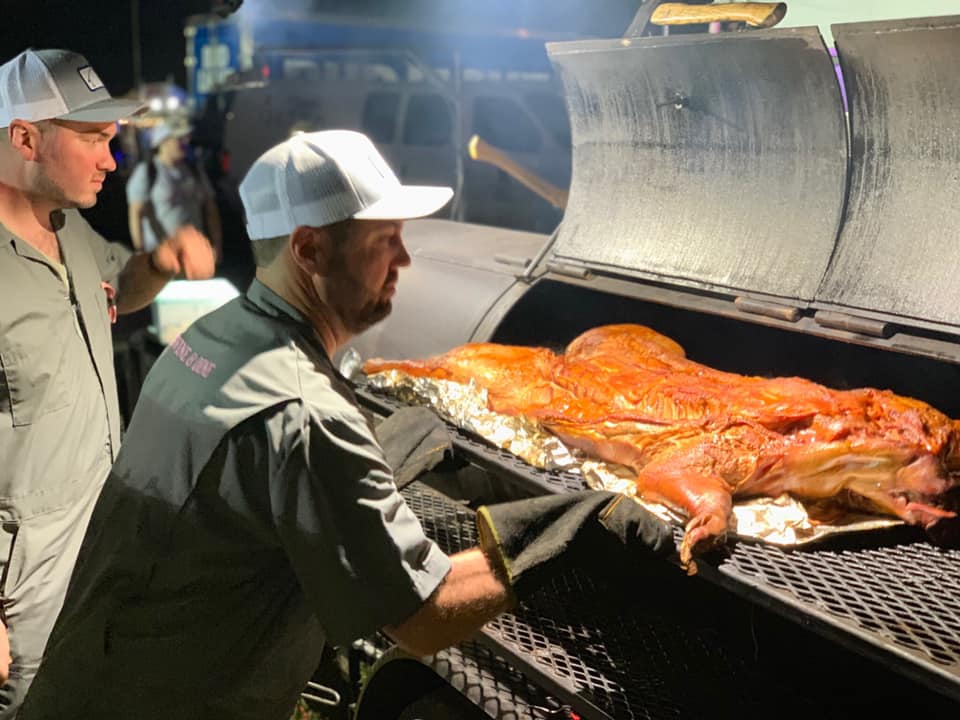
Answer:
(403, 257)
(107, 163)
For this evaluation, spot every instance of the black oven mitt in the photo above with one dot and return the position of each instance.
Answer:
(414, 440)
(530, 540)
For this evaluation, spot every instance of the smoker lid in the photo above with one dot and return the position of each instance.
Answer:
(898, 252)
(715, 161)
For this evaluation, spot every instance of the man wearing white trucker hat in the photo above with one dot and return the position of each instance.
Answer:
(252, 513)
(59, 418)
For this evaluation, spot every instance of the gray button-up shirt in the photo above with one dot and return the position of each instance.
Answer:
(251, 514)
(59, 417)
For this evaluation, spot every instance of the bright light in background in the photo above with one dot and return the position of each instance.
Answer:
(173, 102)
(156, 104)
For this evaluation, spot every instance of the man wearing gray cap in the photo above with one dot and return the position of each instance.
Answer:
(60, 284)
(168, 190)
(252, 513)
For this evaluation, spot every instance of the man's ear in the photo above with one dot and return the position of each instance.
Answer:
(310, 248)
(24, 138)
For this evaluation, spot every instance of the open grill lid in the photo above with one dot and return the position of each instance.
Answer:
(721, 163)
(716, 161)
(898, 252)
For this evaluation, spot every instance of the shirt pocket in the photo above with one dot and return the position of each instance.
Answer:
(31, 383)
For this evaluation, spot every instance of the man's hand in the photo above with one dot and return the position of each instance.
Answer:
(5, 658)
(188, 252)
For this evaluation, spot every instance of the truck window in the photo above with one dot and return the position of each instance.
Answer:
(428, 121)
(503, 123)
(380, 116)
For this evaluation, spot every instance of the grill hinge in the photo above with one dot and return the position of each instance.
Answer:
(851, 323)
(769, 309)
(512, 261)
(568, 270)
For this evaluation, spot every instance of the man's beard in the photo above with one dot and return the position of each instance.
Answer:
(341, 289)
(48, 190)
(358, 319)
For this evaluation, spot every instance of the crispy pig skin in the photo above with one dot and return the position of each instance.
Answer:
(698, 437)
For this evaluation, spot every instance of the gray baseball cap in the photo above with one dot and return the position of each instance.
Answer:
(47, 84)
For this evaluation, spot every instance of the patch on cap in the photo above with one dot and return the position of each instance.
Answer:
(90, 78)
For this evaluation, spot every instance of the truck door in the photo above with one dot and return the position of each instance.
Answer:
(424, 148)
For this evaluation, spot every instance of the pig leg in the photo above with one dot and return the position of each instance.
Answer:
(690, 483)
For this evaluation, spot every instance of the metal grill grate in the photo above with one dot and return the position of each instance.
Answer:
(610, 652)
(492, 684)
(681, 647)
(906, 595)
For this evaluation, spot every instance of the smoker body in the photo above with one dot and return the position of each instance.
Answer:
(728, 194)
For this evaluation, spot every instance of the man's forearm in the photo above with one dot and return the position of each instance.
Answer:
(470, 595)
(186, 252)
(139, 283)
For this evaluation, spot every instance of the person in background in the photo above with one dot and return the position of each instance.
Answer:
(61, 284)
(253, 514)
(169, 191)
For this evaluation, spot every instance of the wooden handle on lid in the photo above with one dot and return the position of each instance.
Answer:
(755, 14)
(484, 152)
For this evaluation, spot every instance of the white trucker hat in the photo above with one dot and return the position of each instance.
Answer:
(320, 178)
(46, 84)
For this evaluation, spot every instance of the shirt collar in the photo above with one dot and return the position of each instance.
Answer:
(6, 236)
(272, 304)
(20, 246)
(267, 301)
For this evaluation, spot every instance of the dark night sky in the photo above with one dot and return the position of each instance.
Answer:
(101, 29)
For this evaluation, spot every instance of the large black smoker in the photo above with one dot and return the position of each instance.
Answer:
(728, 192)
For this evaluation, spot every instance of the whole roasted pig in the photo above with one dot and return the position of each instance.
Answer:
(697, 437)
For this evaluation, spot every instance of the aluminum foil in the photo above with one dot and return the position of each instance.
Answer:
(466, 407)
(780, 521)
